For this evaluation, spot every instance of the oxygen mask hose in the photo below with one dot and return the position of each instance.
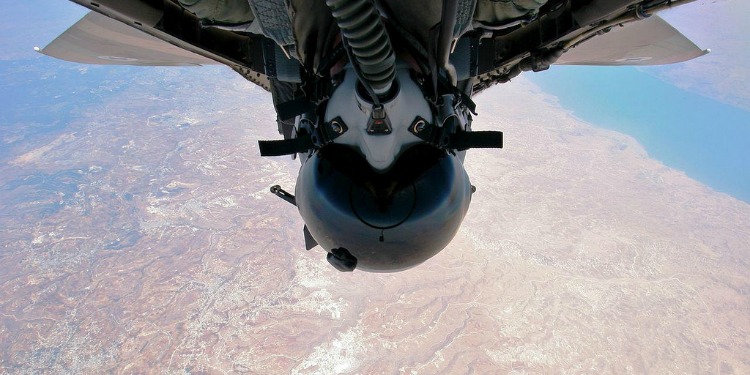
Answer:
(368, 42)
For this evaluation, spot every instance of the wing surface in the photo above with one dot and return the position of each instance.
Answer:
(652, 41)
(98, 39)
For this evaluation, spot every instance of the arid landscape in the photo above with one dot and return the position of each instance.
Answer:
(140, 237)
(138, 234)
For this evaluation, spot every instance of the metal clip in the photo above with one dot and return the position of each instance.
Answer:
(379, 123)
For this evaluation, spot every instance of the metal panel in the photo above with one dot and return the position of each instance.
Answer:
(648, 42)
(98, 39)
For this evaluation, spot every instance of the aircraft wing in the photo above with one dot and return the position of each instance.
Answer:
(604, 32)
(652, 41)
(98, 39)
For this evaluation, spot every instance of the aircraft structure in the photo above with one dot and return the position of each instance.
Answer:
(374, 96)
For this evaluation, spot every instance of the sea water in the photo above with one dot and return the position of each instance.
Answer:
(707, 139)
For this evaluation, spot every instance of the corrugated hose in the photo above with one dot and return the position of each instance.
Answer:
(368, 42)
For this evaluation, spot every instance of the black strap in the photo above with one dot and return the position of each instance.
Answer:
(480, 139)
(294, 107)
(466, 99)
(309, 240)
(285, 146)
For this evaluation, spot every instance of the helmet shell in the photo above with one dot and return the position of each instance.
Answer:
(387, 221)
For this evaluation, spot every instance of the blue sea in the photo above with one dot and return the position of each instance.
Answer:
(707, 139)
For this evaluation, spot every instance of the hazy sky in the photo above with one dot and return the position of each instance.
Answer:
(722, 27)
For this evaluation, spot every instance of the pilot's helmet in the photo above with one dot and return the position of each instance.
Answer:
(380, 198)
